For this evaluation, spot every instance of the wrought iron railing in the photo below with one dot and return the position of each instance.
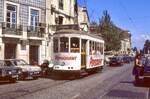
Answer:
(13, 29)
(36, 31)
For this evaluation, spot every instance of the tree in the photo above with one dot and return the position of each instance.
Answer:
(110, 33)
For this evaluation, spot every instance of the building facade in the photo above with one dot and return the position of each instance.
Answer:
(27, 27)
(22, 29)
(83, 18)
(126, 43)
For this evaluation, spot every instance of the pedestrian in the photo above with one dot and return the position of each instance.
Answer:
(138, 67)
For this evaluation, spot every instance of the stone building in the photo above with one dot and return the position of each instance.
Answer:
(22, 29)
(126, 43)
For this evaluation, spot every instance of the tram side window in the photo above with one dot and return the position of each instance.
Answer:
(75, 45)
(92, 48)
(101, 48)
(55, 49)
(98, 48)
(64, 44)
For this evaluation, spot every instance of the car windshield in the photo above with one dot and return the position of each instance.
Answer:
(19, 62)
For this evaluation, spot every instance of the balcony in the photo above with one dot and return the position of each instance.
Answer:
(38, 31)
(12, 29)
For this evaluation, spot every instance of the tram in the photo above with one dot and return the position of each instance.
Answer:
(75, 50)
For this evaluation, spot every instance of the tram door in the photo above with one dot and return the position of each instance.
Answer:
(83, 54)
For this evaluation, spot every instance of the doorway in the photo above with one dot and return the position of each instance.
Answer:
(10, 51)
(34, 54)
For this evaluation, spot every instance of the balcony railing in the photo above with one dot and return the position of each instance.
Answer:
(36, 31)
(12, 29)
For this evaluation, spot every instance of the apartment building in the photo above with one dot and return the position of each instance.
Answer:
(22, 29)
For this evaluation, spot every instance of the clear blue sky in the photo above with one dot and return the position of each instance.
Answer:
(132, 15)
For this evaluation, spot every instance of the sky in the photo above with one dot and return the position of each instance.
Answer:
(132, 15)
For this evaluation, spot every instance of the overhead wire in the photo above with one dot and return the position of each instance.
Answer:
(126, 12)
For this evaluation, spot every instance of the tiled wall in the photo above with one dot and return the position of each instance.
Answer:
(1, 10)
(24, 9)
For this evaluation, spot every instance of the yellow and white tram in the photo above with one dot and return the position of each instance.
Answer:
(74, 51)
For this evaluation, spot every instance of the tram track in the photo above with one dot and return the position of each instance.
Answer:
(20, 92)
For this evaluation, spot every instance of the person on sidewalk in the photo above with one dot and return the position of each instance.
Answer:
(138, 67)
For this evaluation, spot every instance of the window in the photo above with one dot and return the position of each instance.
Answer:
(92, 48)
(64, 44)
(75, 45)
(101, 48)
(60, 20)
(61, 4)
(34, 19)
(11, 17)
(55, 49)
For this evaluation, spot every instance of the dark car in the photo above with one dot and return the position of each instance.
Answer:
(28, 71)
(126, 59)
(8, 73)
(147, 68)
(115, 61)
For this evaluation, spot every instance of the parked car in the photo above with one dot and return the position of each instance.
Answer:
(126, 59)
(28, 71)
(115, 61)
(8, 72)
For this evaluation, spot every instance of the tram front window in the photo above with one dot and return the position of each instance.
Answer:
(64, 44)
(75, 45)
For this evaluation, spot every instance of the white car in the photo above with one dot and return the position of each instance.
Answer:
(28, 71)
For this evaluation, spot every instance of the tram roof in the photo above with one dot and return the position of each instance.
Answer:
(70, 31)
